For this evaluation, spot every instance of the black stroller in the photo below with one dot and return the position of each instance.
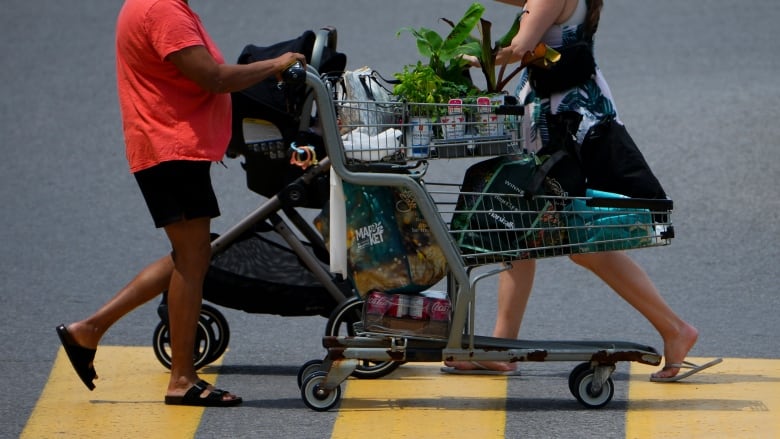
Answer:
(256, 264)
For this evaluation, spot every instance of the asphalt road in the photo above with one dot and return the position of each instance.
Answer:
(695, 83)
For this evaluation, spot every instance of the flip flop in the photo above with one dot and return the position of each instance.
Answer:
(479, 369)
(81, 358)
(193, 397)
(694, 368)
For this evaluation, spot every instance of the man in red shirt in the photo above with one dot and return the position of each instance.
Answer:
(174, 88)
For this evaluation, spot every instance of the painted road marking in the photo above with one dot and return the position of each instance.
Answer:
(739, 398)
(418, 401)
(128, 400)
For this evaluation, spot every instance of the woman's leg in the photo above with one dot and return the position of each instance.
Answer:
(191, 255)
(514, 290)
(146, 285)
(633, 284)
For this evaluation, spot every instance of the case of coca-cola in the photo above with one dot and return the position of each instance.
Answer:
(426, 314)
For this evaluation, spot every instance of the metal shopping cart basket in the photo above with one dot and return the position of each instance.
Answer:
(472, 229)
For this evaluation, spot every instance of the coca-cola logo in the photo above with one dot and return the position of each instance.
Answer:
(440, 307)
(377, 300)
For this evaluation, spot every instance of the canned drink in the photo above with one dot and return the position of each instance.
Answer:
(439, 310)
(399, 306)
(377, 303)
(418, 309)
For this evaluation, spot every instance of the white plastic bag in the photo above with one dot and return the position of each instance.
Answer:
(360, 145)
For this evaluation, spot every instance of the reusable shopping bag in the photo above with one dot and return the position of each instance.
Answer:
(389, 246)
(495, 213)
(606, 228)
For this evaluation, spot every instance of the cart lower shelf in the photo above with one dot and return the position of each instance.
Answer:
(590, 381)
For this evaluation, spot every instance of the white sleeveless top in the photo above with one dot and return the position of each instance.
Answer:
(593, 99)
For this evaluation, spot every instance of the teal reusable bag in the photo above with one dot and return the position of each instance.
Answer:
(595, 229)
(495, 216)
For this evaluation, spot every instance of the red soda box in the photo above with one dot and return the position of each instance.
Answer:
(399, 306)
(439, 310)
(377, 303)
(418, 308)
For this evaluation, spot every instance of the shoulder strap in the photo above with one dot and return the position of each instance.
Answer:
(535, 185)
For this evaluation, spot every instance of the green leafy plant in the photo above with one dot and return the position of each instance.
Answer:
(480, 47)
(445, 53)
(445, 75)
(419, 83)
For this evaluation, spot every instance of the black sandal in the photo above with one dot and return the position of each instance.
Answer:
(81, 358)
(212, 399)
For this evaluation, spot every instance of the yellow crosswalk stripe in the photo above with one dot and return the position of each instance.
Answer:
(413, 402)
(128, 400)
(739, 398)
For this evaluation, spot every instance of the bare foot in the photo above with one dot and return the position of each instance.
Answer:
(481, 365)
(676, 349)
(84, 335)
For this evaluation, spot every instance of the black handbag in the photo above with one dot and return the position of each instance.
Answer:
(612, 162)
(576, 66)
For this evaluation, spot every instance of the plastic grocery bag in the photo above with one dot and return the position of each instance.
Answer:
(360, 145)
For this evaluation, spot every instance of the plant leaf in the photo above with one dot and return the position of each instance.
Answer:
(505, 40)
(487, 59)
(463, 28)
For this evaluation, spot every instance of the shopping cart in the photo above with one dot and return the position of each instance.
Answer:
(473, 229)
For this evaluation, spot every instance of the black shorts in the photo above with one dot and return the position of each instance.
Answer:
(178, 190)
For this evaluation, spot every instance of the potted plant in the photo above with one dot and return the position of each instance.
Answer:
(446, 74)
(444, 77)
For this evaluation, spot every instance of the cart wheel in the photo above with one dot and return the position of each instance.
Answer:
(204, 338)
(341, 322)
(216, 321)
(574, 374)
(315, 397)
(307, 369)
(584, 394)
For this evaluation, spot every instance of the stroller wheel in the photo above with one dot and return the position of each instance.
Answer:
(216, 321)
(204, 339)
(341, 322)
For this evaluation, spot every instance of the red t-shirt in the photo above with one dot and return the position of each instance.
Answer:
(165, 115)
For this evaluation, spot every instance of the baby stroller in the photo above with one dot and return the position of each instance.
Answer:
(256, 264)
